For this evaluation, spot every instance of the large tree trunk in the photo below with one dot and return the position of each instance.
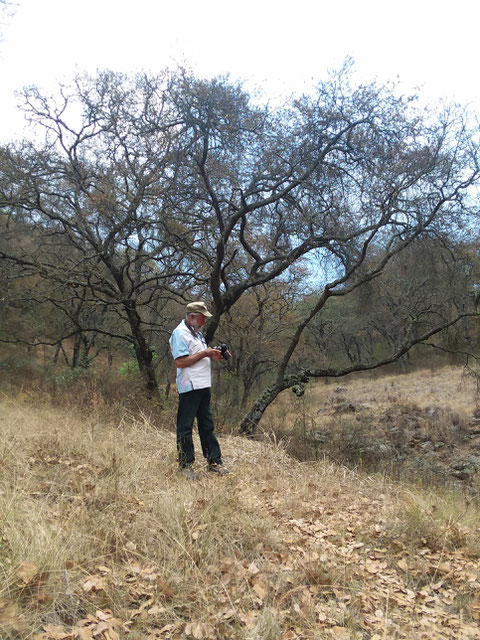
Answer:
(143, 353)
(76, 351)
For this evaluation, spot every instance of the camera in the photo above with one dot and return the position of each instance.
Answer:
(224, 349)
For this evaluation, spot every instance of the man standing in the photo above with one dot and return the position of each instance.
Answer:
(194, 380)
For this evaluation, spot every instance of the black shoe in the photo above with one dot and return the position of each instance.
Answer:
(214, 467)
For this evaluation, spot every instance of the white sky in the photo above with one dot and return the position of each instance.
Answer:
(283, 47)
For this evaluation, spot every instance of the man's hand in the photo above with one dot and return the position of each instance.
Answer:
(214, 354)
(188, 361)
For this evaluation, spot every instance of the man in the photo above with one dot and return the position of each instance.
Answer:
(194, 379)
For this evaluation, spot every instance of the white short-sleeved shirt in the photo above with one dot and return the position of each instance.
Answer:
(185, 342)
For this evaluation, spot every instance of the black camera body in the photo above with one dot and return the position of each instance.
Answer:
(224, 349)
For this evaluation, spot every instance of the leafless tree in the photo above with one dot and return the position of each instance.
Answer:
(86, 208)
(255, 331)
(354, 175)
(174, 187)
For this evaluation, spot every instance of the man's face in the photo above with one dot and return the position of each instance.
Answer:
(197, 320)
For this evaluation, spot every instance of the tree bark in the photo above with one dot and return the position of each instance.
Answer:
(143, 353)
(76, 351)
(250, 421)
(296, 381)
(249, 424)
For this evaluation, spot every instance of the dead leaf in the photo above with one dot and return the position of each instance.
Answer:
(165, 589)
(27, 572)
(104, 615)
(94, 583)
(437, 585)
(475, 607)
(10, 617)
(168, 628)
(199, 630)
(100, 628)
(444, 567)
(56, 632)
(260, 588)
(402, 564)
(103, 569)
(372, 566)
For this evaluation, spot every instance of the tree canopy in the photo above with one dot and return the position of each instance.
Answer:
(147, 191)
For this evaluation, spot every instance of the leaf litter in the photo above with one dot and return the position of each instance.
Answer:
(330, 567)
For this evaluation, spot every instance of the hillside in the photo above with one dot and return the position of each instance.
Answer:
(101, 538)
(425, 424)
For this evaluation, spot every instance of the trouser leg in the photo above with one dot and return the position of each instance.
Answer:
(187, 409)
(208, 440)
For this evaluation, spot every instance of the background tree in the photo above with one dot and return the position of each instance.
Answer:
(353, 174)
(422, 284)
(86, 208)
(173, 187)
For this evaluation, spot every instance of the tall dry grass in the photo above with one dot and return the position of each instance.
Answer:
(391, 424)
(100, 537)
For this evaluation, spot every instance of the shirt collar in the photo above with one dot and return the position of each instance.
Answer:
(195, 334)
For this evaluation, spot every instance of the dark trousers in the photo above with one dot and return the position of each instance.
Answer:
(191, 405)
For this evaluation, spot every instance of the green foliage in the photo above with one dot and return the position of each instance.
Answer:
(131, 367)
(128, 367)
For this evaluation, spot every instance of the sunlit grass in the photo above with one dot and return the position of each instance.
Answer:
(98, 528)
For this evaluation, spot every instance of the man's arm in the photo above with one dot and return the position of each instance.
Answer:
(187, 361)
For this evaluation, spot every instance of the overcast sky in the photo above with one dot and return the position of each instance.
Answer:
(283, 47)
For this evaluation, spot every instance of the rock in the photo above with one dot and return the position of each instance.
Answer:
(318, 436)
(346, 407)
(466, 467)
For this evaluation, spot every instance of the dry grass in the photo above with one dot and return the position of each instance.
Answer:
(448, 387)
(406, 425)
(101, 538)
